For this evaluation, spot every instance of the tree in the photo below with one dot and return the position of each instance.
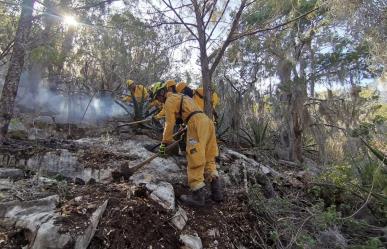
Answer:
(204, 21)
(15, 69)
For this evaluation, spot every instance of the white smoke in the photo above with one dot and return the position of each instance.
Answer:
(76, 107)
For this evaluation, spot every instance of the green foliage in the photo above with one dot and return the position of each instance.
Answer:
(339, 174)
(371, 243)
(256, 133)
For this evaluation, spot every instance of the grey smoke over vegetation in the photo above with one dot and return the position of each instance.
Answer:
(34, 96)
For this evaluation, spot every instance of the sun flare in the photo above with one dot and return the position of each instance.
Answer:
(70, 20)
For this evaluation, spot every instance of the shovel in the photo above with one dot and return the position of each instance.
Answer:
(136, 122)
(127, 172)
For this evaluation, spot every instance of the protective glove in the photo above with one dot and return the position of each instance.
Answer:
(155, 119)
(162, 150)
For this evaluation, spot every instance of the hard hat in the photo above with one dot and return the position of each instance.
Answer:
(200, 91)
(180, 86)
(156, 89)
(170, 83)
(129, 82)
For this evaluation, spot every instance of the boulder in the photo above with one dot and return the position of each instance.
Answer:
(191, 241)
(38, 218)
(163, 194)
(17, 130)
(331, 238)
(11, 173)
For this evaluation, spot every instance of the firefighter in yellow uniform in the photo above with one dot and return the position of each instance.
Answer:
(137, 91)
(199, 100)
(201, 148)
(183, 88)
(171, 87)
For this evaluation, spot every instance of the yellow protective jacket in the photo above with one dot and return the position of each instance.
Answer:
(172, 112)
(155, 103)
(140, 93)
(199, 98)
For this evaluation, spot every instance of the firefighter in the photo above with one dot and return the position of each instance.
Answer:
(199, 100)
(137, 91)
(201, 148)
(183, 88)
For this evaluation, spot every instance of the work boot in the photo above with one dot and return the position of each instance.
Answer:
(197, 199)
(216, 189)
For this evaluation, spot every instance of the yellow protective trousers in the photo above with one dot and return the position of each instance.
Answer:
(201, 149)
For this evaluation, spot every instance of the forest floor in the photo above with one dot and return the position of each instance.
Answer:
(296, 217)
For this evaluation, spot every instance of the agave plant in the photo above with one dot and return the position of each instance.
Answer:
(256, 132)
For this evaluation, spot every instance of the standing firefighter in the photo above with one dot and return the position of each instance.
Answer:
(201, 145)
(137, 92)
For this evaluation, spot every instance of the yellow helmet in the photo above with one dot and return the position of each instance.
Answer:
(180, 86)
(170, 83)
(130, 82)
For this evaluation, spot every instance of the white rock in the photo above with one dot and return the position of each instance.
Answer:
(180, 219)
(191, 242)
(83, 240)
(251, 164)
(11, 173)
(213, 232)
(163, 194)
(39, 218)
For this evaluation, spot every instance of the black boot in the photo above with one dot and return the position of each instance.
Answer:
(197, 199)
(216, 189)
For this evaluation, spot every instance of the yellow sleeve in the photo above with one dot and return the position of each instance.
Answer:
(161, 114)
(215, 100)
(170, 119)
(127, 98)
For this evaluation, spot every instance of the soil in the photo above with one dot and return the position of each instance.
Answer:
(99, 158)
(138, 222)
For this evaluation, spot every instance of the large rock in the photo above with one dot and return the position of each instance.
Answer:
(11, 173)
(331, 238)
(17, 129)
(191, 242)
(38, 218)
(163, 194)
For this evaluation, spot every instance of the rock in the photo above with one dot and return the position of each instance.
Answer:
(83, 241)
(213, 232)
(180, 219)
(35, 133)
(78, 198)
(38, 218)
(331, 238)
(11, 173)
(79, 181)
(17, 130)
(191, 242)
(43, 122)
(251, 164)
(163, 194)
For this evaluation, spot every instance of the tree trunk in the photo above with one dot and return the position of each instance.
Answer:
(15, 69)
(204, 61)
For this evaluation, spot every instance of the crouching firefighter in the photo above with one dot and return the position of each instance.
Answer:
(201, 147)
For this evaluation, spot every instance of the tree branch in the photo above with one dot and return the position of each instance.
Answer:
(95, 5)
(169, 5)
(229, 37)
(217, 22)
(253, 32)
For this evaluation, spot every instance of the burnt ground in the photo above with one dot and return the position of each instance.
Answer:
(132, 220)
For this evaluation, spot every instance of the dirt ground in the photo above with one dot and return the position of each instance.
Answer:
(132, 220)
